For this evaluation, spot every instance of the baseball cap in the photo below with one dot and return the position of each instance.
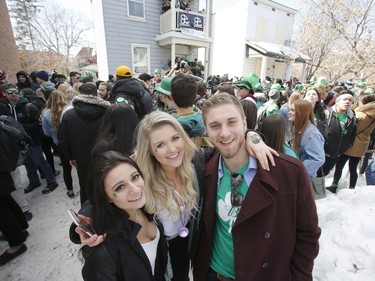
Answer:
(124, 71)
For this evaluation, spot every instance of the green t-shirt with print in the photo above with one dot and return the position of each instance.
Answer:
(342, 119)
(222, 258)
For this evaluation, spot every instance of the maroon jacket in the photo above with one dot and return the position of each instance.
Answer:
(276, 233)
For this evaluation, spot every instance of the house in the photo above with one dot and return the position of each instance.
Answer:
(137, 34)
(253, 36)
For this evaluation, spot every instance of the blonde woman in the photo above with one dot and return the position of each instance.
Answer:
(50, 124)
(166, 152)
(67, 89)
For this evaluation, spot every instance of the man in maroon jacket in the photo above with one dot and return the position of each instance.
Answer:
(257, 225)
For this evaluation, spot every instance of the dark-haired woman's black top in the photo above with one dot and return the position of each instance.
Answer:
(121, 257)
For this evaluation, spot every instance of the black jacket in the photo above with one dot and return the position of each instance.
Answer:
(121, 257)
(27, 83)
(135, 92)
(28, 115)
(336, 143)
(6, 183)
(79, 128)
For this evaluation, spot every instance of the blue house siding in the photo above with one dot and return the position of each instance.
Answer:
(122, 31)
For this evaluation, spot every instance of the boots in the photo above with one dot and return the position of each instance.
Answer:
(332, 188)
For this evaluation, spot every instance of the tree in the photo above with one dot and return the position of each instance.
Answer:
(22, 12)
(337, 35)
(52, 29)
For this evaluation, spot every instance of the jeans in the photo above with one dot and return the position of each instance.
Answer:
(36, 160)
(370, 174)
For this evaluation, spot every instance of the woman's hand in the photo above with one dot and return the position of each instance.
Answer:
(86, 240)
(258, 149)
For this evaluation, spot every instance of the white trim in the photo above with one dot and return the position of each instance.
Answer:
(144, 9)
(134, 45)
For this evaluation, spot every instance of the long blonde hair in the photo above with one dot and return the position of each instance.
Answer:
(56, 103)
(158, 187)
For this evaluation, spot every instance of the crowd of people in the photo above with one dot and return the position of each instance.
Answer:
(178, 173)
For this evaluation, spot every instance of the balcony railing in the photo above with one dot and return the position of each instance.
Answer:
(190, 23)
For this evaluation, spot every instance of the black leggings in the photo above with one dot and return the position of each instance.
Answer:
(67, 172)
(353, 163)
(178, 251)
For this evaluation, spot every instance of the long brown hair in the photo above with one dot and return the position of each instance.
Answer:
(303, 114)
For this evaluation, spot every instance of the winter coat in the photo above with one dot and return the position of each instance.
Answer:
(80, 126)
(365, 124)
(336, 143)
(276, 233)
(121, 257)
(28, 115)
(311, 151)
(6, 183)
(27, 83)
(136, 92)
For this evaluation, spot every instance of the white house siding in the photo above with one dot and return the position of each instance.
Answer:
(229, 33)
(238, 21)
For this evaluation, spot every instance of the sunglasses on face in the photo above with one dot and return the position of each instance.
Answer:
(235, 196)
(12, 92)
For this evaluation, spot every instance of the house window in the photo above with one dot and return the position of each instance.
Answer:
(136, 8)
(141, 58)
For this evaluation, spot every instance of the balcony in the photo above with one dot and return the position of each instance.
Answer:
(184, 28)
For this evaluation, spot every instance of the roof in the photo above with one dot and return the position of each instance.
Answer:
(278, 51)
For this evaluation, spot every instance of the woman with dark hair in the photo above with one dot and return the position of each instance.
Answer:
(273, 132)
(117, 130)
(313, 97)
(135, 247)
(307, 141)
(250, 110)
(365, 114)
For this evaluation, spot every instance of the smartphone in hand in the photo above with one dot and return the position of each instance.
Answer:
(81, 223)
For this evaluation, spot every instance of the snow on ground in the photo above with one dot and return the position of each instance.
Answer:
(347, 244)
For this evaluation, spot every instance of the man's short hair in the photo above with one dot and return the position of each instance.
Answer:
(184, 90)
(88, 89)
(74, 73)
(221, 99)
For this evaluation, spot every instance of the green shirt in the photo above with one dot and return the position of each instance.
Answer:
(222, 258)
(342, 119)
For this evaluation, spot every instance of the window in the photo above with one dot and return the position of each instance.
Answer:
(136, 8)
(141, 58)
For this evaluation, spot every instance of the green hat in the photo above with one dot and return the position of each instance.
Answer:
(276, 86)
(165, 86)
(361, 84)
(245, 84)
(259, 87)
(158, 71)
(322, 81)
(249, 81)
(299, 87)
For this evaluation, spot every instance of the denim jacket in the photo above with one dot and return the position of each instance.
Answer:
(311, 151)
(47, 126)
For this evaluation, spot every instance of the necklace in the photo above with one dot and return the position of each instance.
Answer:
(183, 231)
(185, 114)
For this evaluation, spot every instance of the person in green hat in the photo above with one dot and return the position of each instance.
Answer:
(164, 99)
(245, 90)
(157, 76)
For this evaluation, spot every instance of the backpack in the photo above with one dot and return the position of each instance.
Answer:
(15, 144)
